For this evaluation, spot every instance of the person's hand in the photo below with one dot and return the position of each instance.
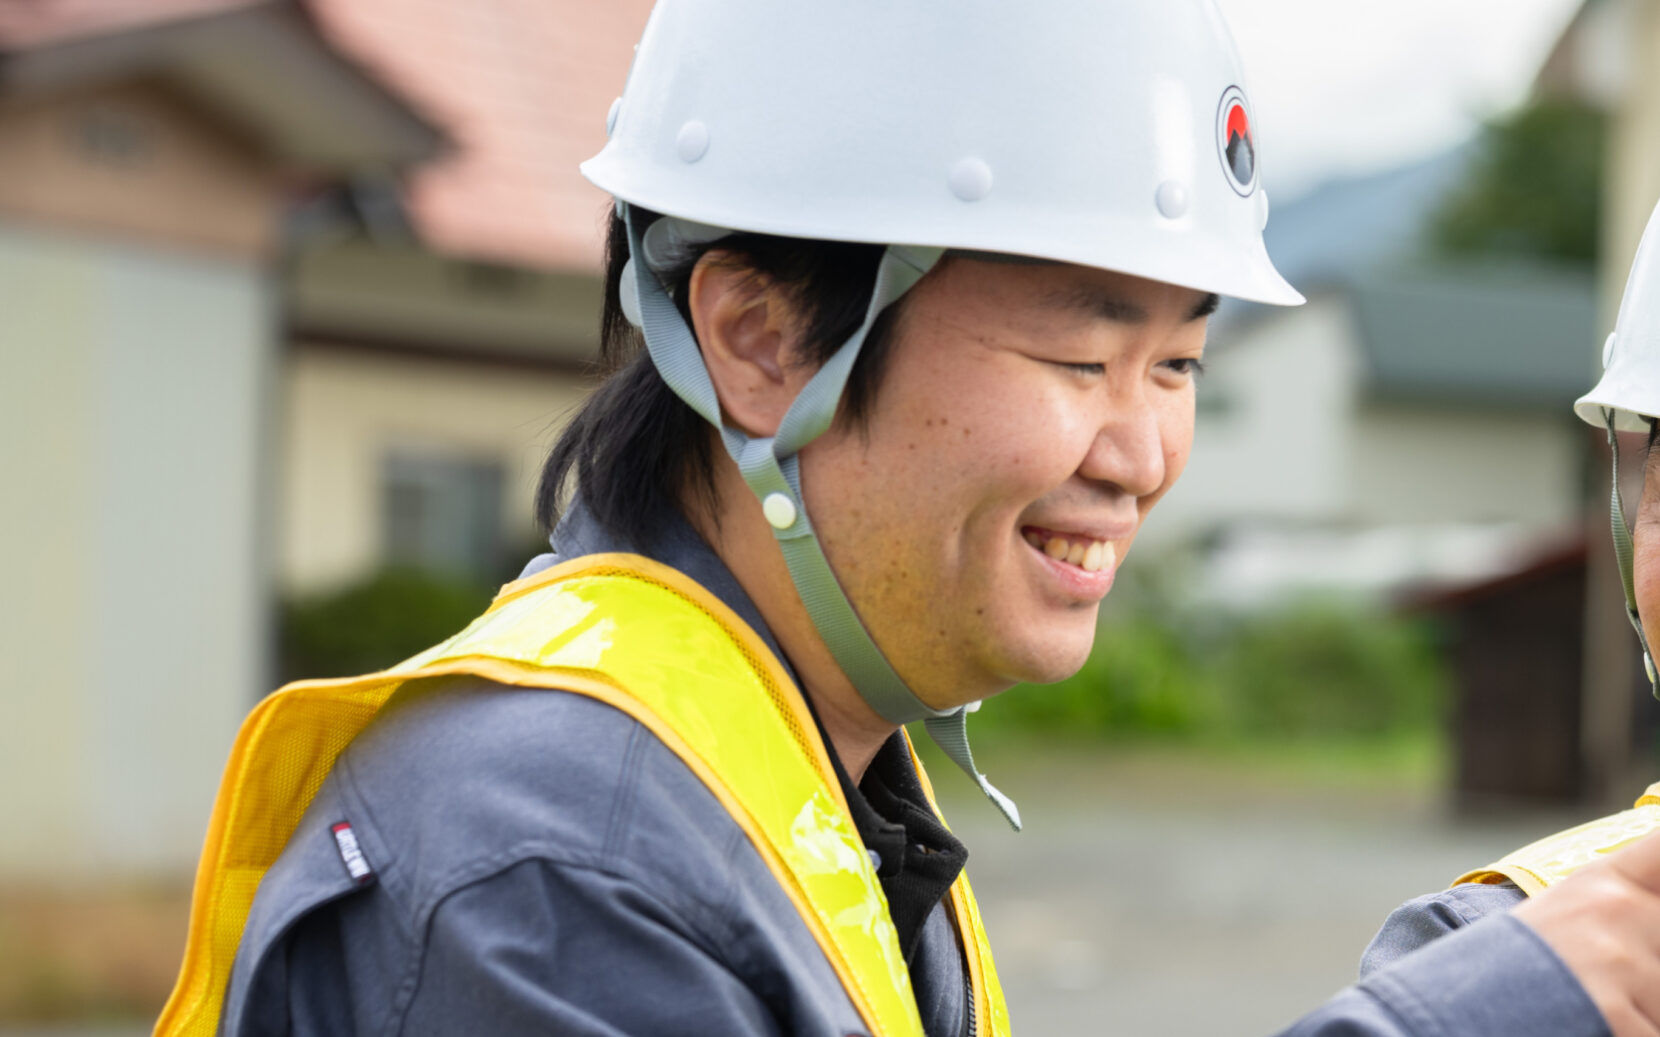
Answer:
(1604, 923)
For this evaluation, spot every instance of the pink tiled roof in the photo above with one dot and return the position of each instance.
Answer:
(522, 87)
(34, 23)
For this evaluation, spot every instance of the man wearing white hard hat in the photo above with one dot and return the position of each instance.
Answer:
(1625, 399)
(904, 309)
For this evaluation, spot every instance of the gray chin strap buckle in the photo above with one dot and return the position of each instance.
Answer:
(950, 733)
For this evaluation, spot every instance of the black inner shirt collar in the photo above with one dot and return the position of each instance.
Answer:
(916, 858)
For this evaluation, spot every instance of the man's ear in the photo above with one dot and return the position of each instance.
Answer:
(746, 327)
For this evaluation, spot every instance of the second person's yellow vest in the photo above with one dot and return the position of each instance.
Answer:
(1553, 858)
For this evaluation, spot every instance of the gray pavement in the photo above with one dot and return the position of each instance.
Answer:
(1147, 899)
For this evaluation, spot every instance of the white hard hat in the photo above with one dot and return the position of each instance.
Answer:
(1114, 135)
(1630, 384)
(1626, 397)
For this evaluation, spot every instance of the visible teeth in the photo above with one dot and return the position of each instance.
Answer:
(1088, 555)
(1092, 558)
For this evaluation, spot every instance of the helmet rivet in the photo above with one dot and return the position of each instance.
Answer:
(1608, 351)
(693, 141)
(971, 179)
(1172, 199)
(1262, 210)
(779, 510)
(611, 117)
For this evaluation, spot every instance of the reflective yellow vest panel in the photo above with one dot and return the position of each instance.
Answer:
(1555, 857)
(650, 642)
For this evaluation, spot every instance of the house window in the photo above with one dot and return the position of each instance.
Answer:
(443, 514)
(114, 138)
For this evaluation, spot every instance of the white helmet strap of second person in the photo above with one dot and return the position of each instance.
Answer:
(1623, 552)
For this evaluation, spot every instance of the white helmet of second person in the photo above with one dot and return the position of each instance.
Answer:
(1114, 135)
(1630, 384)
(1626, 398)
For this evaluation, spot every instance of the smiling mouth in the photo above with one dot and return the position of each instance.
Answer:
(1088, 555)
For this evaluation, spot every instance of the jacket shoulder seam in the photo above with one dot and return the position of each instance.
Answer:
(483, 871)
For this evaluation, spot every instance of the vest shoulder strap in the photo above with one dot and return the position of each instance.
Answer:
(1555, 857)
(649, 641)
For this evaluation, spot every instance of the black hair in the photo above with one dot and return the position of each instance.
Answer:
(634, 447)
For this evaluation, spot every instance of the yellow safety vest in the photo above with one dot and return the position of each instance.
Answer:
(1554, 858)
(649, 641)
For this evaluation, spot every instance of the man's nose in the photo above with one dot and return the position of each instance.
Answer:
(1128, 452)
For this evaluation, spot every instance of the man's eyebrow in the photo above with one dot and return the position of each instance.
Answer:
(1100, 303)
(1206, 307)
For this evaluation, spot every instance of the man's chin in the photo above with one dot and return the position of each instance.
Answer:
(1051, 663)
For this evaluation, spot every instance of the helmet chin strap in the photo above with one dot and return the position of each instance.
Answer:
(1623, 553)
(772, 470)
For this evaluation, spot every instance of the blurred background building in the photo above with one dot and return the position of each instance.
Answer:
(288, 293)
(294, 295)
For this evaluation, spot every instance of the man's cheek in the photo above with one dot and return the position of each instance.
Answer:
(1645, 569)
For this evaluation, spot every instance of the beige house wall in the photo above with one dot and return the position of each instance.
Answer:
(1273, 433)
(133, 386)
(343, 410)
(136, 364)
(1284, 434)
(1633, 177)
(133, 160)
(1411, 465)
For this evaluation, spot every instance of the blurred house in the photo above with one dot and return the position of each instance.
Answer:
(1517, 653)
(1432, 448)
(441, 323)
(1410, 424)
(288, 291)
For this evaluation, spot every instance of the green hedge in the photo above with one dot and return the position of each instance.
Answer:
(1313, 670)
(1307, 671)
(375, 623)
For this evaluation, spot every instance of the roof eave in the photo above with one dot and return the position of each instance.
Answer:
(263, 66)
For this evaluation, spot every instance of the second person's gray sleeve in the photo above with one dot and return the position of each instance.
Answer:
(1493, 979)
(1421, 920)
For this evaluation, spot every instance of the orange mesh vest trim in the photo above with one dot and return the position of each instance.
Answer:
(1553, 858)
(650, 642)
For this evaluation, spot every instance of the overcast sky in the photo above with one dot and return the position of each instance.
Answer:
(1344, 86)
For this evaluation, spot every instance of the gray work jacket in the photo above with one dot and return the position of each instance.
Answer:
(541, 864)
(1434, 915)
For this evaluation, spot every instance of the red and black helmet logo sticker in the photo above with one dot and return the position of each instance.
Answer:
(1236, 141)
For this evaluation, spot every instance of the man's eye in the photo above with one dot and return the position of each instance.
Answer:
(1081, 369)
(1186, 365)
